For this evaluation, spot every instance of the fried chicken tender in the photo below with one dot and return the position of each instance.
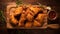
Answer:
(35, 10)
(36, 24)
(18, 10)
(29, 17)
(28, 24)
(29, 11)
(40, 17)
(13, 20)
(15, 12)
(22, 19)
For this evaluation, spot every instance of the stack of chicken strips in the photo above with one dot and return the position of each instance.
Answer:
(28, 16)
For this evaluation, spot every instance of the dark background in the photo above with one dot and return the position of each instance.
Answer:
(55, 4)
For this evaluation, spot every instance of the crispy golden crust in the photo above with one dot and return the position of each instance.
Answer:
(13, 20)
(22, 19)
(36, 23)
(29, 17)
(40, 17)
(35, 9)
(15, 12)
(18, 10)
(28, 24)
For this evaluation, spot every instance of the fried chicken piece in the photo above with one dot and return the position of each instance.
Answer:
(36, 24)
(22, 19)
(15, 12)
(35, 10)
(13, 20)
(29, 11)
(29, 17)
(40, 18)
(28, 24)
(18, 10)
